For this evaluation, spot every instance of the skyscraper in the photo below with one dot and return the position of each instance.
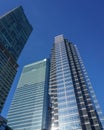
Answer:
(71, 103)
(74, 104)
(29, 108)
(14, 32)
(8, 69)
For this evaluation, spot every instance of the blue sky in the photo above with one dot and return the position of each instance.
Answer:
(80, 21)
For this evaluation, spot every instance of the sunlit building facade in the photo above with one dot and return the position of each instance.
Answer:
(73, 102)
(29, 108)
(56, 94)
(14, 32)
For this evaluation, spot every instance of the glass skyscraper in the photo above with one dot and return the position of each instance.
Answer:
(56, 95)
(29, 108)
(74, 104)
(14, 32)
(8, 69)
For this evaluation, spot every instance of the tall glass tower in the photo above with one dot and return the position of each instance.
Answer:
(29, 108)
(8, 69)
(73, 102)
(14, 32)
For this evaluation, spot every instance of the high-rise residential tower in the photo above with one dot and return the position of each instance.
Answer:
(74, 104)
(29, 108)
(14, 32)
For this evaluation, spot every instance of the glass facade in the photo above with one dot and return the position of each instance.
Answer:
(29, 108)
(73, 102)
(8, 69)
(14, 32)
(3, 123)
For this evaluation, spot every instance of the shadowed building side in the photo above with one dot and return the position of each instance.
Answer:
(14, 33)
(3, 124)
(8, 69)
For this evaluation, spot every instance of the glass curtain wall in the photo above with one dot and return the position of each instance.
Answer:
(73, 102)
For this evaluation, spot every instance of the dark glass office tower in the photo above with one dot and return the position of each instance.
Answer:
(29, 108)
(73, 102)
(3, 124)
(14, 32)
(8, 69)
